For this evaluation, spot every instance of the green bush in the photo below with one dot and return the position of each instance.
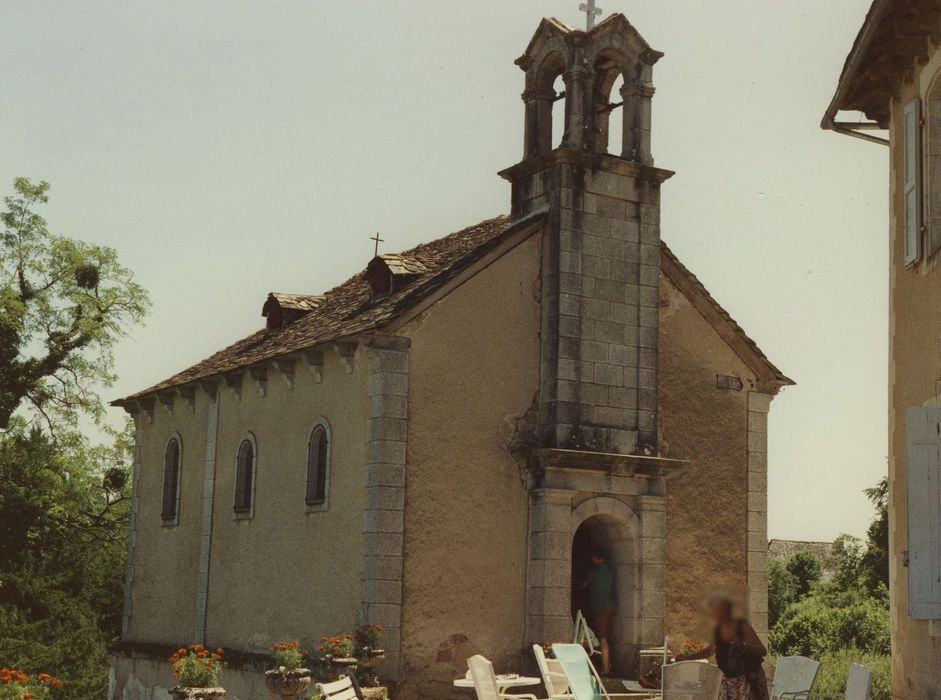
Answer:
(815, 626)
(835, 665)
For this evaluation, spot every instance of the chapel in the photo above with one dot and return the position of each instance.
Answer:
(436, 443)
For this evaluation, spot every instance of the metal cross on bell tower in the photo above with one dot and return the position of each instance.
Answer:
(590, 12)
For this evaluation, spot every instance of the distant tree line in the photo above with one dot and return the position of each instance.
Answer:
(843, 619)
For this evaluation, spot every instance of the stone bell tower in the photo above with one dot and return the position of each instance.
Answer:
(601, 246)
(595, 464)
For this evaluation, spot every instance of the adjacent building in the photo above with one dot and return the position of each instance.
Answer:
(891, 77)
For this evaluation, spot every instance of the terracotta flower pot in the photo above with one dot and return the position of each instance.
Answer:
(183, 693)
(287, 683)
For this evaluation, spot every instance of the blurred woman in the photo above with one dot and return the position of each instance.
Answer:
(738, 650)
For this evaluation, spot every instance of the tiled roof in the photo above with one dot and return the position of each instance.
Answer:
(405, 264)
(894, 35)
(347, 309)
(297, 302)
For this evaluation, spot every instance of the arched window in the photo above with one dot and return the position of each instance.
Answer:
(245, 476)
(318, 465)
(171, 480)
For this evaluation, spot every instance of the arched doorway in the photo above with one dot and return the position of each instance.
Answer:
(612, 536)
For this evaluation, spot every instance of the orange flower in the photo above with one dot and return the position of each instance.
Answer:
(27, 696)
(57, 683)
(44, 678)
(219, 651)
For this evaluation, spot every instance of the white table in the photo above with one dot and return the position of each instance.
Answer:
(503, 681)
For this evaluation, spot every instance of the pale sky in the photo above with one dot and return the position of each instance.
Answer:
(228, 149)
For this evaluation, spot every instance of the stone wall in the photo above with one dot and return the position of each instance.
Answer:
(600, 277)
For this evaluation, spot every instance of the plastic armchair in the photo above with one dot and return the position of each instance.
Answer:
(485, 681)
(858, 685)
(682, 677)
(794, 678)
(553, 677)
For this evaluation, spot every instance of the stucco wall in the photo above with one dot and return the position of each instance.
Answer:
(914, 367)
(166, 557)
(706, 511)
(286, 573)
(474, 366)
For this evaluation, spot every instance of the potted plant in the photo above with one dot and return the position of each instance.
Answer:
(15, 685)
(197, 671)
(336, 654)
(367, 641)
(290, 676)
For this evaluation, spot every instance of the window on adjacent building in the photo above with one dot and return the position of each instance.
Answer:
(924, 512)
(318, 465)
(245, 476)
(171, 480)
(912, 181)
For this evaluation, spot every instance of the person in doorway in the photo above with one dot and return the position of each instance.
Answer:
(738, 650)
(600, 585)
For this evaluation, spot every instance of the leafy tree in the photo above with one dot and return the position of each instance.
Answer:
(63, 305)
(875, 560)
(805, 567)
(63, 514)
(64, 503)
(782, 590)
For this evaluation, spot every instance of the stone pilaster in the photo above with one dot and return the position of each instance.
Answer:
(548, 595)
(205, 539)
(653, 530)
(132, 530)
(757, 545)
(384, 519)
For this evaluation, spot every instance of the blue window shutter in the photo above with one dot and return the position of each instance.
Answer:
(924, 512)
(913, 204)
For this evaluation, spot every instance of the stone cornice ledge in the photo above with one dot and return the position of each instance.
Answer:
(642, 466)
(596, 161)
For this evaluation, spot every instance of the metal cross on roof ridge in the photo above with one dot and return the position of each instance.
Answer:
(590, 13)
(378, 241)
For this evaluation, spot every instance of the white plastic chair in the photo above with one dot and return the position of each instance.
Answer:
(794, 677)
(344, 689)
(584, 635)
(553, 677)
(485, 681)
(858, 685)
(685, 679)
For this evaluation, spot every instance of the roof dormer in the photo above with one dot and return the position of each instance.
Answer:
(390, 272)
(282, 310)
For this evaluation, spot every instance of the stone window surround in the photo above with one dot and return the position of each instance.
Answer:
(175, 520)
(250, 513)
(324, 505)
